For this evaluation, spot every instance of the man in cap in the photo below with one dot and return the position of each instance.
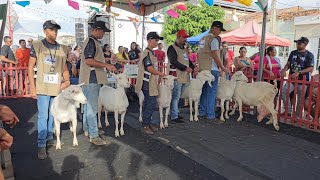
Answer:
(52, 77)
(92, 74)
(300, 64)
(181, 67)
(209, 59)
(147, 81)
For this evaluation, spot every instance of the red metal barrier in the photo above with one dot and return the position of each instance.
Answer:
(14, 81)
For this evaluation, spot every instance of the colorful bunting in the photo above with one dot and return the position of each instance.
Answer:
(229, 0)
(263, 3)
(47, 1)
(114, 14)
(142, 9)
(133, 19)
(130, 4)
(260, 6)
(182, 7)
(209, 2)
(245, 2)
(154, 19)
(23, 3)
(73, 4)
(173, 13)
(95, 9)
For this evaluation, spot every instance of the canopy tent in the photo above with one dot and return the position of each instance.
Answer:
(247, 35)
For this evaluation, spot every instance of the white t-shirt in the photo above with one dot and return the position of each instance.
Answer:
(214, 46)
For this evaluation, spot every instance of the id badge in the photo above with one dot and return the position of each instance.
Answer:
(201, 43)
(51, 78)
(185, 57)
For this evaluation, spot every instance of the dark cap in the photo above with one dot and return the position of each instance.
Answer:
(100, 25)
(51, 24)
(218, 24)
(153, 35)
(302, 40)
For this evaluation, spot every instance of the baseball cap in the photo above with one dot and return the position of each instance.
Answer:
(218, 24)
(153, 35)
(182, 33)
(302, 40)
(101, 25)
(51, 24)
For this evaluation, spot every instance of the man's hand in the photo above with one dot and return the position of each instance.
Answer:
(8, 116)
(15, 62)
(283, 73)
(111, 67)
(6, 141)
(189, 70)
(65, 84)
(227, 71)
(295, 75)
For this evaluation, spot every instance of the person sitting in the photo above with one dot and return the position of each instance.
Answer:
(313, 97)
(113, 61)
(107, 52)
(243, 63)
(122, 56)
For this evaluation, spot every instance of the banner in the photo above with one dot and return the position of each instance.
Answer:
(131, 70)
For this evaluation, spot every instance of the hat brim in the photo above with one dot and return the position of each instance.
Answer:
(106, 30)
(57, 26)
(222, 29)
(298, 41)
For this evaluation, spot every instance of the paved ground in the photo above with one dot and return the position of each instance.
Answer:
(246, 150)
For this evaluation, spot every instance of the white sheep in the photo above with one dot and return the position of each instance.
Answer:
(163, 100)
(193, 91)
(260, 94)
(226, 89)
(114, 100)
(64, 109)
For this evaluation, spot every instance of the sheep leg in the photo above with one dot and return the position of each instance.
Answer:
(106, 118)
(57, 128)
(234, 108)
(161, 117)
(191, 109)
(227, 109)
(166, 118)
(99, 115)
(123, 114)
(70, 126)
(240, 111)
(196, 110)
(140, 104)
(270, 107)
(116, 115)
(74, 128)
(222, 110)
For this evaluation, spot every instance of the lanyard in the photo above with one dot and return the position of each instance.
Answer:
(54, 56)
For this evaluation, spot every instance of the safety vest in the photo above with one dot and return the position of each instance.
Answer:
(183, 58)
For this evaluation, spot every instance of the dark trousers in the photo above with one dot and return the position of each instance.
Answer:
(149, 105)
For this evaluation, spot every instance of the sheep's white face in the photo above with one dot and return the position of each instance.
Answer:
(169, 81)
(75, 93)
(239, 76)
(122, 79)
(206, 75)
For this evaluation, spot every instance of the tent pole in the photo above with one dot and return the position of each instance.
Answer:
(143, 31)
(262, 43)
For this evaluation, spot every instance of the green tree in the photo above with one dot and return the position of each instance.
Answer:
(195, 21)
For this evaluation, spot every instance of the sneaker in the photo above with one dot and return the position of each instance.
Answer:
(216, 121)
(204, 117)
(180, 117)
(178, 121)
(97, 141)
(154, 128)
(52, 142)
(147, 130)
(42, 153)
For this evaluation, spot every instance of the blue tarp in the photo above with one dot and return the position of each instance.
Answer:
(195, 39)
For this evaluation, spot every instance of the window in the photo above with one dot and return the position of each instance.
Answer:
(284, 52)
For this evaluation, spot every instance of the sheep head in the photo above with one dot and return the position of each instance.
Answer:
(122, 80)
(74, 92)
(206, 75)
(239, 76)
(169, 81)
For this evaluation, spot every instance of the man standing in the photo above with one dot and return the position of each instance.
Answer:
(7, 58)
(160, 54)
(52, 77)
(180, 67)
(22, 55)
(92, 74)
(229, 55)
(30, 41)
(147, 82)
(300, 64)
(209, 59)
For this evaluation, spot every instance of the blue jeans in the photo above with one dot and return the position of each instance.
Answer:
(298, 100)
(45, 120)
(90, 109)
(149, 105)
(176, 92)
(208, 97)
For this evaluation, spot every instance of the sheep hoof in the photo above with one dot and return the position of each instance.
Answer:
(122, 132)
(99, 126)
(269, 122)
(239, 119)
(276, 127)
(231, 113)
(117, 134)
(86, 133)
(166, 124)
(222, 119)
(196, 119)
(191, 119)
(75, 143)
(107, 124)
(227, 117)
(140, 119)
(161, 126)
(58, 146)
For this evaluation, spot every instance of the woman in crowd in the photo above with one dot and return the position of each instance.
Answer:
(107, 53)
(242, 62)
(272, 68)
(77, 52)
(122, 56)
(192, 56)
(134, 53)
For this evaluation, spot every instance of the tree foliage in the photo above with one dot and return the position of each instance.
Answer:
(195, 21)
